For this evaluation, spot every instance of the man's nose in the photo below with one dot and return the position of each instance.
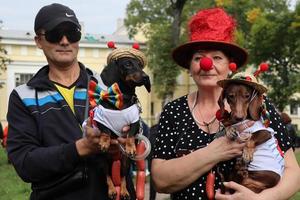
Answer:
(64, 41)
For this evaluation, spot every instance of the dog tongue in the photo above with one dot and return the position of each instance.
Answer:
(206, 63)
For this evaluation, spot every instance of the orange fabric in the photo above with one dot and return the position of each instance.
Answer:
(5, 132)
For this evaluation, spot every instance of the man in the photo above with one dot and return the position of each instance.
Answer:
(45, 142)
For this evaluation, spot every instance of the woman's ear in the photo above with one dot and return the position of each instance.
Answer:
(255, 107)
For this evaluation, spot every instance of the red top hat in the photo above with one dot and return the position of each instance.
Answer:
(210, 29)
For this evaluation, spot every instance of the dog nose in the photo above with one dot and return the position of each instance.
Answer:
(238, 119)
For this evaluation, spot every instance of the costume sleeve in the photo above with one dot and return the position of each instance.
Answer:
(277, 125)
(32, 161)
(166, 135)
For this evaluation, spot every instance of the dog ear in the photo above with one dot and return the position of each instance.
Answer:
(255, 107)
(146, 83)
(221, 102)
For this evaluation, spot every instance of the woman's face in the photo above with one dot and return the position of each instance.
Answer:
(219, 71)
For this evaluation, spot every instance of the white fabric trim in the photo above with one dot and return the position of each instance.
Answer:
(115, 120)
(266, 155)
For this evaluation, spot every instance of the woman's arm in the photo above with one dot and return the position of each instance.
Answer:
(288, 185)
(290, 181)
(175, 174)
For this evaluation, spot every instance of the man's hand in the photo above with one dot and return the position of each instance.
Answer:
(90, 143)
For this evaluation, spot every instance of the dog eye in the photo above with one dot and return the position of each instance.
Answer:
(230, 96)
(247, 96)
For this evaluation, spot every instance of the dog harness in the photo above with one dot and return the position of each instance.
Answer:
(116, 119)
(267, 156)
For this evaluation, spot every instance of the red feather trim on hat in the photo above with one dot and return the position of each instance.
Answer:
(204, 26)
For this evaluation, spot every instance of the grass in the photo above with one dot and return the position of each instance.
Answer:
(13, 188)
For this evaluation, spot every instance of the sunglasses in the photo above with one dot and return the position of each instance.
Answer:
(56, 35)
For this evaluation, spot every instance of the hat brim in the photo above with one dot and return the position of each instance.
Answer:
(260, 88)
(182, 54)
(52, 24)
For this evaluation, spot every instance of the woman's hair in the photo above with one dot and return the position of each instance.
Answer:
(285, 118)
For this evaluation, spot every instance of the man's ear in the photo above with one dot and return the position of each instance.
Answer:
(255, 107)
(37, 40)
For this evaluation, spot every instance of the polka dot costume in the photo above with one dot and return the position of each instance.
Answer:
(179, 134)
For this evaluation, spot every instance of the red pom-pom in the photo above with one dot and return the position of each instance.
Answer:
(136, 46)
(248, 78)
(263, 67)
(232, 67)
(206, 63)
(111, 45)
(219, 115)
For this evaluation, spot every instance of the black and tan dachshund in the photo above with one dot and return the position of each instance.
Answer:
(128, 73)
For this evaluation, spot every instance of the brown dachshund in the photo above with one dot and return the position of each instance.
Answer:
(246, 104)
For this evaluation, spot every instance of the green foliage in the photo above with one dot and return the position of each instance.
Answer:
(4, 60)
(162, 23)
(275, 40)
(267, 28)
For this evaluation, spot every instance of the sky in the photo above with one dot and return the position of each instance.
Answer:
(98, 16)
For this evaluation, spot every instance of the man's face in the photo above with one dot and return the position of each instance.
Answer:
(60, 45)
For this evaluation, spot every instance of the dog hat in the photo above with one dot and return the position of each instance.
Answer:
(118, 53)
(245, 79)
(210, 29)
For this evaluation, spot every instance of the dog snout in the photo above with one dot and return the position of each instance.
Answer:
(239, 119)
(146, 82)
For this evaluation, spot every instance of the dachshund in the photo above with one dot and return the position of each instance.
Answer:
(127, 73)
(246, 104)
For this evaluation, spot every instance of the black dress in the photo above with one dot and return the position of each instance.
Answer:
(179, 132)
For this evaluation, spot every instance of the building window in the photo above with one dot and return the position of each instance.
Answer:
(22, 78)
(294, 108)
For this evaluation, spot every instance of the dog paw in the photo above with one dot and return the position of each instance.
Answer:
(231, 132)
(112, 194)
(248, 155)
(104, 142)
(124, 195)
(130, 147)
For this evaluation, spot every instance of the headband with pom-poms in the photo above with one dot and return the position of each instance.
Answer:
(133, 52)
(262, 68)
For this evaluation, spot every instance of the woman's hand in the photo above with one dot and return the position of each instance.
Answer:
(223, 149)
(241, 193)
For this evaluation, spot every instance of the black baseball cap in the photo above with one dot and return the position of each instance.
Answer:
(52, 15)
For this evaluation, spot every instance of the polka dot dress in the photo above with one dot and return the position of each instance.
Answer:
(178, 134)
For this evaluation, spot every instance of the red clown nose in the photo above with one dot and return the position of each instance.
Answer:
(206, 63)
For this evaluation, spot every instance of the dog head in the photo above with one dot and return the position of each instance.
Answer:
(244, 101)
(244, 95)
(132, 73)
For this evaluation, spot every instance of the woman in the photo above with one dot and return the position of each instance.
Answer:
(186, 149)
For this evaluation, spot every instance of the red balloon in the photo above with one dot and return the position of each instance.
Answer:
(206, 63)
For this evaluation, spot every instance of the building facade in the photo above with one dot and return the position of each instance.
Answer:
(27, 59)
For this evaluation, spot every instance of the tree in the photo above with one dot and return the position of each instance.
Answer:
(267, 28)
(4, 60)
(161, 22)
(275, 39)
